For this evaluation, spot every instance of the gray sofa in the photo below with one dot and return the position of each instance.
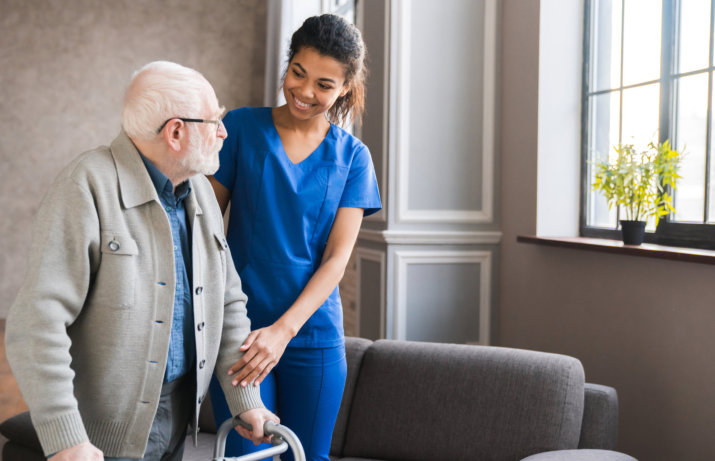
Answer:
(413, 401)
(426, 402)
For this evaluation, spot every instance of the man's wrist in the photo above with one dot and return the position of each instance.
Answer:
(62, 432)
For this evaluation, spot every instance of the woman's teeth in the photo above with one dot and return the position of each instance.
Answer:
(299, 104)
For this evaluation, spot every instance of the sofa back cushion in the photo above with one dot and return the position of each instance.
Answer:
(424, 401)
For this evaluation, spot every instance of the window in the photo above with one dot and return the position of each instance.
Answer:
(648, 76)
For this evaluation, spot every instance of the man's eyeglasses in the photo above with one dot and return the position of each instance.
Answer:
(195, 120)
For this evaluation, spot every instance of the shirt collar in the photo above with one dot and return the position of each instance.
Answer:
(162, 183)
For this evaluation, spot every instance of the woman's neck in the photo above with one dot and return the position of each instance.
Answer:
(285, 120)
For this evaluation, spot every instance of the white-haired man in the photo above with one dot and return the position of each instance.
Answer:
(131, 299)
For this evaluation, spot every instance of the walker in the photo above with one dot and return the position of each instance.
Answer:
(282, 439)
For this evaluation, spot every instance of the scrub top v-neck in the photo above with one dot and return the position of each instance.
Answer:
(282, 213)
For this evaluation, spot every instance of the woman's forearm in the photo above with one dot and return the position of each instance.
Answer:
(316, 291)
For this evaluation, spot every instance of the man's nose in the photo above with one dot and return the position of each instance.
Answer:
(221, 132)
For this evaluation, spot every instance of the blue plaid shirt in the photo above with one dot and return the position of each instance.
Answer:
(182, 345)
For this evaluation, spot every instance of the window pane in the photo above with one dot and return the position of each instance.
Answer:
(694, 39)
(603, 135)
(640, 115)
(691, 107)
(640, 121)
(641, 41)
(711, 190)
(606, 45)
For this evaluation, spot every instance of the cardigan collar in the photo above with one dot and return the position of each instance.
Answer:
(135, 185)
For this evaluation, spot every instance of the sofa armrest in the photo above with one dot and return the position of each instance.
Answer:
(19, 429)
(599, 429)
(355, 349)
(580, 455)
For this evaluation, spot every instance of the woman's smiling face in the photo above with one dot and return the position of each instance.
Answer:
(313, 83)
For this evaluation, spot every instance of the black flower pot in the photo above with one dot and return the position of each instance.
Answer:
(633, 232)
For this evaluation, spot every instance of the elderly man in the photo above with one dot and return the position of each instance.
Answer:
(130, 298)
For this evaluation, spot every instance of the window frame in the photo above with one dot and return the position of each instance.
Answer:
(692, 235)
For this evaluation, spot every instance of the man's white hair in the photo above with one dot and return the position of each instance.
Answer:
(159, 91)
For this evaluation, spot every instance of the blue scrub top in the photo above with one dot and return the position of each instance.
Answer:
(282, 213)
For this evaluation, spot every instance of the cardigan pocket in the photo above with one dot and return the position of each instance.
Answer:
(115, 279)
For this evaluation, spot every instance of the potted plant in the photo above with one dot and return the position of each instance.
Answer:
(639, 183)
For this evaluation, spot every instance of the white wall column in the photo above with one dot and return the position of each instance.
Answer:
(430, 126)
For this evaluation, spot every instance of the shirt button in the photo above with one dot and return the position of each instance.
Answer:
(168, 208)
(202, 363)
(199, 290)
(114, 245)
(176, 247)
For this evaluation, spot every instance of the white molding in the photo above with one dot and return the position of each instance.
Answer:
(489, 112)
(381, 216)
(401, 66)
(274, 37)
(378, 257)
(405, 258)
(426, 237)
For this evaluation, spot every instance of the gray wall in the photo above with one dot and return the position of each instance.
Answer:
(63, 68)
(644, 326)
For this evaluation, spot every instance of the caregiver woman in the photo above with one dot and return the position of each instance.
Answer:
(299, 186)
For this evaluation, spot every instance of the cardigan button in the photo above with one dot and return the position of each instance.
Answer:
(199, 290)
(202, 363)
(200, 326)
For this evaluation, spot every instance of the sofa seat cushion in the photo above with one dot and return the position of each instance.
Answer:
(355, 459)
(580, 455)
(425, 401)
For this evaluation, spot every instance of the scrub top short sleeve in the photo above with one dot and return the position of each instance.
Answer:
(361, 185)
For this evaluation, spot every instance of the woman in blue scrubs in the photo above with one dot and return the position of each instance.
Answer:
(299, 186)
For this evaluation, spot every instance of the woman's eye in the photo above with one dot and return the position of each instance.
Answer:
(297, 74)
(324, 86)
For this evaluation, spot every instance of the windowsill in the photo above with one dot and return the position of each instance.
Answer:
(647, 250)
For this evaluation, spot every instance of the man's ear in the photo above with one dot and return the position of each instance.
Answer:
(173, 134)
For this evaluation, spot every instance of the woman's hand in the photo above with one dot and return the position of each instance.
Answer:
(262, 349)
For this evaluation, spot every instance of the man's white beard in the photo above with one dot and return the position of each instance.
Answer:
(196, 162)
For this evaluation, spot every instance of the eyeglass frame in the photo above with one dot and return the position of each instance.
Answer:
(195, 120)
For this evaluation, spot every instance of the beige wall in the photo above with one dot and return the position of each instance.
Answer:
(644, 326)
(63, 68)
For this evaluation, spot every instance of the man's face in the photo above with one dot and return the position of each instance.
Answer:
(205, 142)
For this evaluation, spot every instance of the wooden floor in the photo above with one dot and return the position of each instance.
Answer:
(11, 402)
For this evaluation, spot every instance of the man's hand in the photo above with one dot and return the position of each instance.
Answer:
(83, 452)
(256, 417)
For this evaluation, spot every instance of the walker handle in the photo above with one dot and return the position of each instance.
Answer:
(281, 435)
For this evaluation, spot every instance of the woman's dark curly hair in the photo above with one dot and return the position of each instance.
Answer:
(332, 36)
